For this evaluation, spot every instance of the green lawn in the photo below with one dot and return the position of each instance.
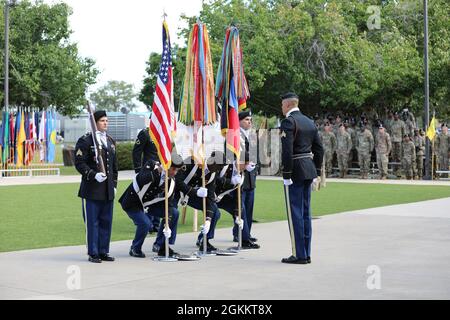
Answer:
(50, 215)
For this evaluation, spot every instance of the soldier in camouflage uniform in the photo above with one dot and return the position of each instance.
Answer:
(398, 130)
(329, 145)
(344, 146)
(419, 142)
(441, 146)
(352, 132)
(409, 124)
(408, 156)
(383, 148)
(364, 145)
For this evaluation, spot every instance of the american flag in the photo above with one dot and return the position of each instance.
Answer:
(162, 121)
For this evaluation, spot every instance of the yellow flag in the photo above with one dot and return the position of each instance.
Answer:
(21, 138)
(431, 132)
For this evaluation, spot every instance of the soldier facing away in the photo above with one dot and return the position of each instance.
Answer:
(364, 145)
(383, 148)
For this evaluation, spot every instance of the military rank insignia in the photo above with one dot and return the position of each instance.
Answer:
(79, 153)
(138, 141)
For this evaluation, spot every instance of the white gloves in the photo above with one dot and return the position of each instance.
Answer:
(240, 223)
(205, 227)
(287, 182)
(236, 179)
(167, 232)
(115, 191)
(100, 177)
(202, 192)
(250, 167)
(316, 184)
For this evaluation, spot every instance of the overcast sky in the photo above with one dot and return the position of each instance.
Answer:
(120, 35)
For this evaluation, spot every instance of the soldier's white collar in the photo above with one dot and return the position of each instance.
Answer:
(291, 111)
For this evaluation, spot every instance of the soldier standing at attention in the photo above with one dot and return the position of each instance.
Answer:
(383, 148)
(144, 150)
(97, 189)
(344, 146)
(364, 145)
(398, 130)
(441, 146)
(302, 155)
(419, 142)
(408, 156)
(329, 144)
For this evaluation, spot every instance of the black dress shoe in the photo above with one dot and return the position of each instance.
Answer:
(249, 245)
(137, 254)
(106, 257)
(255, 221)
(95, 259)
(253, 239)
(162, 252)
(294, 260)
(308, 259)
(155, 248)
(209, 246)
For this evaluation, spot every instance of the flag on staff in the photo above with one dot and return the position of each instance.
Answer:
(51, 141)
(42, 137)
(197, 103)
(231, 89)
(20, 141)
(431, 132)
(12, 138)
(162, 121)
(5, 137)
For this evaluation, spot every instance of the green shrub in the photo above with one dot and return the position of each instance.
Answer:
(124, 152)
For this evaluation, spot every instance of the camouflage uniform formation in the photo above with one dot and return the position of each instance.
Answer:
(398, 130)
(383, 148)
(352, 132)
(344, 146)
(364, 145)
(329, 146)
(419, 142)
(408, 157)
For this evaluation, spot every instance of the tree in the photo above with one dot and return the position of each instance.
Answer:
(45, 67)
(326, 52)
(114, 95)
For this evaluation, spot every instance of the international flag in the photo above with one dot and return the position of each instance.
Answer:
(42, 137)
(51, 142)
(162, 121)
(20, 142)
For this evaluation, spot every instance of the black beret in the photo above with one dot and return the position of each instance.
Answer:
(289, 95)
(244, 114)
(99, 114)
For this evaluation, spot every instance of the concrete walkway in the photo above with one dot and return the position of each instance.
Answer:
(405, 249)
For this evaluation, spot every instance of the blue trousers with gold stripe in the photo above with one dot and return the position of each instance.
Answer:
(298, 199)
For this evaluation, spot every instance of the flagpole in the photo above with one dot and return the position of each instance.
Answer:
(205, 236)
(239, 209)
(166, 215)
(428, 176)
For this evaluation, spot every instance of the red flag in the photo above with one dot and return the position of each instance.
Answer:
(162, 121)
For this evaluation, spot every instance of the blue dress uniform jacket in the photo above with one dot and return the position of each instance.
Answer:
(86, 165)
(143, 150)
(149, 174)
(249, 177)
(190, 188)
(299, 138)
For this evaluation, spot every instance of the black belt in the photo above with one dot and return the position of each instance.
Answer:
(308, 155)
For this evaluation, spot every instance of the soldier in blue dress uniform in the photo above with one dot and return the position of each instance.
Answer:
(97, 189)
(145, 197)
(302, 156)
(143, 150)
